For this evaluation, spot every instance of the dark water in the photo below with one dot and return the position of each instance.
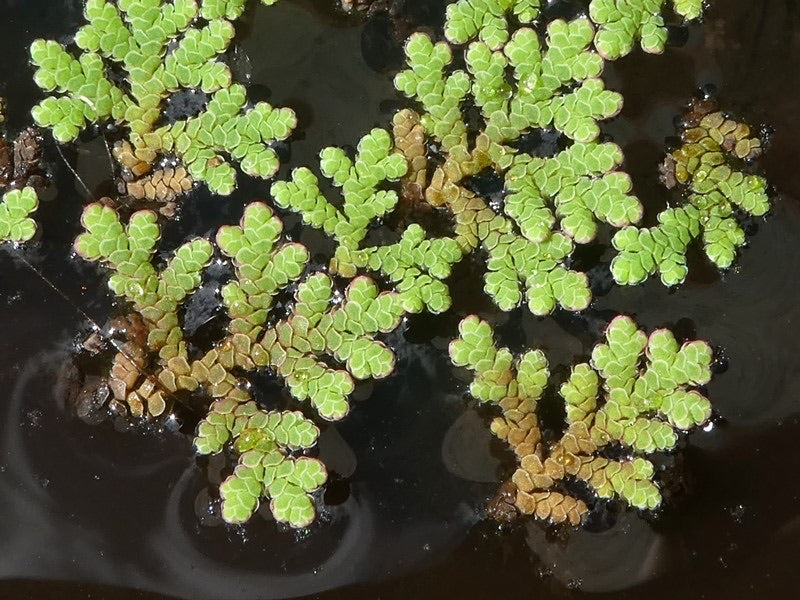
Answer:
(89, 512)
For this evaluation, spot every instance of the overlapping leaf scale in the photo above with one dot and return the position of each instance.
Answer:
(636, 392)
(344, 332)
(581, 183)
(415, 264)
(641, 406)
(162, 49)
(16, 208)
(624, 22)
(717, 190)
(486, 19)
(263, 268)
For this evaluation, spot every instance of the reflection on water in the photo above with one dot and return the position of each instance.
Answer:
(466, 449)
(632, 553)
(91, 503)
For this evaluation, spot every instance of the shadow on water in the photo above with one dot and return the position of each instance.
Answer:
(115, 512)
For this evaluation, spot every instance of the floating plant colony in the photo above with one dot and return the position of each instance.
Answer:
(521, 76)
(158, 49)
(610, 400)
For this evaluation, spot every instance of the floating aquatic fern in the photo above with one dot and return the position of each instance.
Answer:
(579, 186)
(514, 260)
(128, 251)
(487, 19)
(415, 264)
(225, 9)
(16, 225)
(315, 326)
(359, 180)
(265, 468)
(292, 347)
(520, 85)
(614, 399)
(162, 185)
(539, 97)
(21, 177)
(632, 398)
(623, 22)
(544, 76)
(299, 348)
(161, 51)
(709, 166)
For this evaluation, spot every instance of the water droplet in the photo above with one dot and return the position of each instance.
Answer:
(574, 584)
(13, 299)
(34, 418)
(738, 512)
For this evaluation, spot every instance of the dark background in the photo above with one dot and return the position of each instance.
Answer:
(91, 512)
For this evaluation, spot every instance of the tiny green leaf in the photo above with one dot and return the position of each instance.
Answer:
(16, 225)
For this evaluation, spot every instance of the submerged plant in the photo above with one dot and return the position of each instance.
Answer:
(617, 399)
(158, 49)
(710, 166)
(150, 374)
